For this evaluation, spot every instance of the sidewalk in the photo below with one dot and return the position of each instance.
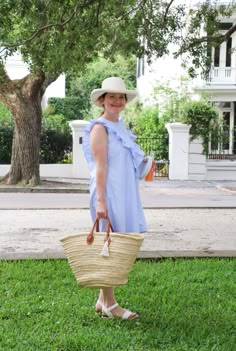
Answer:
(82, 185)
(185, 219)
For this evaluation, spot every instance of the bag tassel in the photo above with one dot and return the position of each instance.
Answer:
(105, 249)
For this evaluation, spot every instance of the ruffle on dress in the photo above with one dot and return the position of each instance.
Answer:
(127, 140)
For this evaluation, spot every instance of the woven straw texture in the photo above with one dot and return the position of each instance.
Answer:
(96, 271)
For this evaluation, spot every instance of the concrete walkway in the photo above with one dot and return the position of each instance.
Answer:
(187, 229)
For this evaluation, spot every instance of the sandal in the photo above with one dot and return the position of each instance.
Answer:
(99, 309)
(127, 315)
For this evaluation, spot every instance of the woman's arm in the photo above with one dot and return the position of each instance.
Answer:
(98, 143)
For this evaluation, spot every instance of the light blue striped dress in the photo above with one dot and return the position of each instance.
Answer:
(122, 192)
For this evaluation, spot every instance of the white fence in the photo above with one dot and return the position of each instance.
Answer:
(184, 154)
(186, 160)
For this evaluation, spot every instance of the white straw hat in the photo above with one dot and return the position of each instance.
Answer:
(112, 85)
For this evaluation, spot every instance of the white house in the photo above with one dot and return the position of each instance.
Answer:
(17, 69)
(221, 90)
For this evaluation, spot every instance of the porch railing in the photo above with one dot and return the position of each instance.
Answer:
(222, 75)
(221, 156)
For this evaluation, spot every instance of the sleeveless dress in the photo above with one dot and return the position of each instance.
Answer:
(122, 192)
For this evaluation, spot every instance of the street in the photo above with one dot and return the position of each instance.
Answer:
(156, 195)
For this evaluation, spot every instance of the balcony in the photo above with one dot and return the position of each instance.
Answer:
(222, 76)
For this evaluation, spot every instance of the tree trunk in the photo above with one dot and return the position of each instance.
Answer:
(26, 144)
(23, 98)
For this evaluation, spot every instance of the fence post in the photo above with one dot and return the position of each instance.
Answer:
(80, 167)
(178, 150)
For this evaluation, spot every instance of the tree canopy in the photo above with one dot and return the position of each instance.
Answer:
(57, 36)
(64, 35)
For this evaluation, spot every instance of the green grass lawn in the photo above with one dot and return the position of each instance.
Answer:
(183, 304)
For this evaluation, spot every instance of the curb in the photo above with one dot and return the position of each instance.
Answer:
(143, 254)
(83, 190)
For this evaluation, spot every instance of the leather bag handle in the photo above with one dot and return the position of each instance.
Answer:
(90, 237)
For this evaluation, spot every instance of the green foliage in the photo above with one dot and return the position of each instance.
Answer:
(177, 106)
(203, 119)
(6, 118)
(150, 131)
(56, 139)
(68, 158)
(61, 36)
(70, 107)
(6, 134)
(146, 122)
(204, 33)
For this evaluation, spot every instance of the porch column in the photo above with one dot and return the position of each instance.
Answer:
(178, 150)
(80, 167)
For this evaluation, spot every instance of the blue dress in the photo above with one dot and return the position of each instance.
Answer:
(122, 192)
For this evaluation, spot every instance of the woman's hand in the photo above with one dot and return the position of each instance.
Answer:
(145, 159)
(101, 210)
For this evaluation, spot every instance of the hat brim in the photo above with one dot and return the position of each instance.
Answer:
(97, 93)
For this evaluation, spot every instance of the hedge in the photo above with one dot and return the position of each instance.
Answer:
(56, 140)
(69, 107)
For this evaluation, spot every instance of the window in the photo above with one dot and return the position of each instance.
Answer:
(223, 139)
(226, 130)
(234, 130)
(228, 52)
(225, 25)
(217, 56)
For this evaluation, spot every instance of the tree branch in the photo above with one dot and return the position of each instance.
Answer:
(167, 10)
(47, 81)
(48, 26)
(3, 73)
(139, 5)
(228, 34)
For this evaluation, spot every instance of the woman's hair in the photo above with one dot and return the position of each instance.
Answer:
(100, 97)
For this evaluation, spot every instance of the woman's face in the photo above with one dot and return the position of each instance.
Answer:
(114, 103)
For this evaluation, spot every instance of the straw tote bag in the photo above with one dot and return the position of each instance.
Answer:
(101, 260)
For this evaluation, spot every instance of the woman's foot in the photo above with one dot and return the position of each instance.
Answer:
(117, 311)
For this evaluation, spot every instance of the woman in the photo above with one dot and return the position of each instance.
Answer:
(114, 160)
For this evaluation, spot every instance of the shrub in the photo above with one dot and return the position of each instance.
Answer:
(6, 134)
(203, 119)
(150, 130)
(69, 107)
(56, 139)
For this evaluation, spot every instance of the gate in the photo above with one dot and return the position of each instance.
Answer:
(157, 147)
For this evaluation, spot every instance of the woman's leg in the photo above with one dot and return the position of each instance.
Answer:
(100, 301)
(107, 298)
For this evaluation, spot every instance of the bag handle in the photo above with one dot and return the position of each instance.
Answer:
(90, 237)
